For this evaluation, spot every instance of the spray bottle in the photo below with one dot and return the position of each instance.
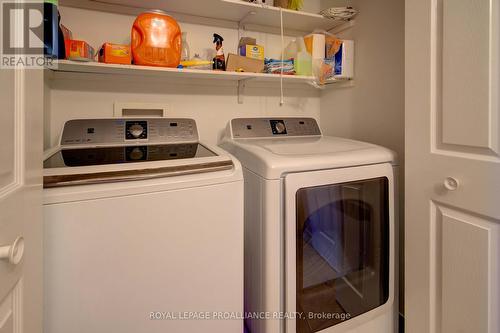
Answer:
(220, 59)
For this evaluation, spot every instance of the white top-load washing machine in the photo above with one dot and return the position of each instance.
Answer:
(319, 229)
(143, 230)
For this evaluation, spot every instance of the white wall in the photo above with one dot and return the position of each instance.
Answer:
(212, 104)
(373, 110)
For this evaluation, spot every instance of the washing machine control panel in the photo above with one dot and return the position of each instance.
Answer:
(274, 127)
(129, 131)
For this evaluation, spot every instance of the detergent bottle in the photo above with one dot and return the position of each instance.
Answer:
(156, 40)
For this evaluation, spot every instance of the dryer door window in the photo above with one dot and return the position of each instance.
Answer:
(342, 252)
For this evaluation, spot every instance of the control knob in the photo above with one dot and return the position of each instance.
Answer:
(136, 130)
(280, 128)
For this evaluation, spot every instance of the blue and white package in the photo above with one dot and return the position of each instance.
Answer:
(344, 61)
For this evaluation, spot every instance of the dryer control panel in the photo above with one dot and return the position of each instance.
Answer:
(96, 132)
(274, 127)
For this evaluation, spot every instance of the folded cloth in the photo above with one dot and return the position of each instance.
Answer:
(274, 66)
(339, 13)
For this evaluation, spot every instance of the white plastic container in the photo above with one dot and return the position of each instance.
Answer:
(185, 51)
(291, 50)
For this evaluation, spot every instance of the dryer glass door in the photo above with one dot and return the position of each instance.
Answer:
(342, 251)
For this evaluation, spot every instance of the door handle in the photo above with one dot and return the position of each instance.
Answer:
(13, 253)
(451, 184)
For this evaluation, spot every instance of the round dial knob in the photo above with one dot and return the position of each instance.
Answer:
(280, 128)
(136, 130)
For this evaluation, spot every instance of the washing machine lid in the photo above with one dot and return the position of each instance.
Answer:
(310, 146)
(134, 171)
(85, 157)
(112, 150)
(272, 156)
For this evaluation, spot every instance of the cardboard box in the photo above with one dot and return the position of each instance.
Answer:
(79, 50)
(344, 60)
(236, 63)
(115, 54)
(247, 41)
(247, 47)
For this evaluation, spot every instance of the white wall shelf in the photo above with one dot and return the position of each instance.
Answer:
(65, 69)
(226, 13)
(67, 66)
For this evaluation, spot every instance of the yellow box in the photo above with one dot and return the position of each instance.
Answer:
(252, 51)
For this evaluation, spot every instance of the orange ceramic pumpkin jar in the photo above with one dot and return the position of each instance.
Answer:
(156, 40)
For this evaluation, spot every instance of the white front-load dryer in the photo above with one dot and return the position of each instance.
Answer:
(320, 229)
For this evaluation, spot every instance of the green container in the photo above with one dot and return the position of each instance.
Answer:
(303, 61)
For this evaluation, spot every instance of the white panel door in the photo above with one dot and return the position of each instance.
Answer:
(453, 166)
(21, 102)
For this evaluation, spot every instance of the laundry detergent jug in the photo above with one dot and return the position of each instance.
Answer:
(156, 40)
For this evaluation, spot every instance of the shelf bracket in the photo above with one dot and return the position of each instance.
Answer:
(241, 23)
(241, 89)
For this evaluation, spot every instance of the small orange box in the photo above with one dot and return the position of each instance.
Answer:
(115, 54)
(79, 50)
